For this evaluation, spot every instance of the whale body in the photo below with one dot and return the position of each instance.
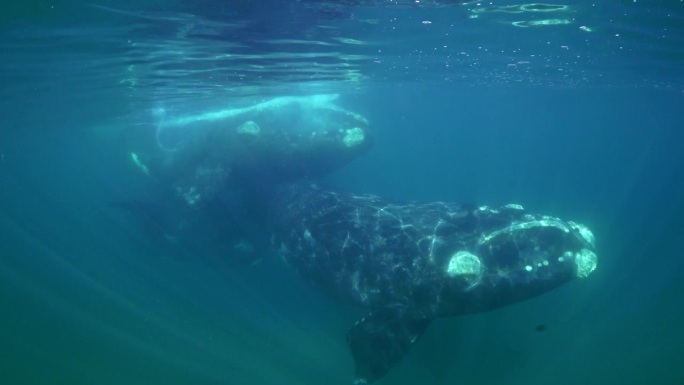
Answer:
(412, 262)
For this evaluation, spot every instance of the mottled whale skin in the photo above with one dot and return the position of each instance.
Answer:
(412, 262)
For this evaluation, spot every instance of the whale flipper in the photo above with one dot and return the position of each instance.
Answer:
(380, 340)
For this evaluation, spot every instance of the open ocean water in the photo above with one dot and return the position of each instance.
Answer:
(575, 110)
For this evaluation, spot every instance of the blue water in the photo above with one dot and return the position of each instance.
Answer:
(580, 118)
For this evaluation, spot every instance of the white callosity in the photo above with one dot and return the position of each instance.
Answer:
(249, 128)
(465, 264)
(353, 137)
(584, 231)
(585, 261)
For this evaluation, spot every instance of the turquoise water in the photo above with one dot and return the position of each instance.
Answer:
(575, 112)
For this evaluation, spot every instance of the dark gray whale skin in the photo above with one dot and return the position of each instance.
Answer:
(412, 262)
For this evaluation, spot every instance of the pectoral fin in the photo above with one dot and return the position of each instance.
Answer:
(381, 339)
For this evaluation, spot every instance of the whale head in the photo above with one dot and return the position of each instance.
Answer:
(523, 258)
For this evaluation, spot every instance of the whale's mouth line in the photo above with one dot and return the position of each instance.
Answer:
(539, 252)
(537, 243)
(521, 226)
(527, 247)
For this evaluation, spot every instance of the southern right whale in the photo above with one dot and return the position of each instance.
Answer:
(412, 262)
(406, 262)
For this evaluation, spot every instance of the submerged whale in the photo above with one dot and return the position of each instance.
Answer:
(412, 262)
(407, 262)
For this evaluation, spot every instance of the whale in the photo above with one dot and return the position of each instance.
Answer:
(411, 262)
(250, 171)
